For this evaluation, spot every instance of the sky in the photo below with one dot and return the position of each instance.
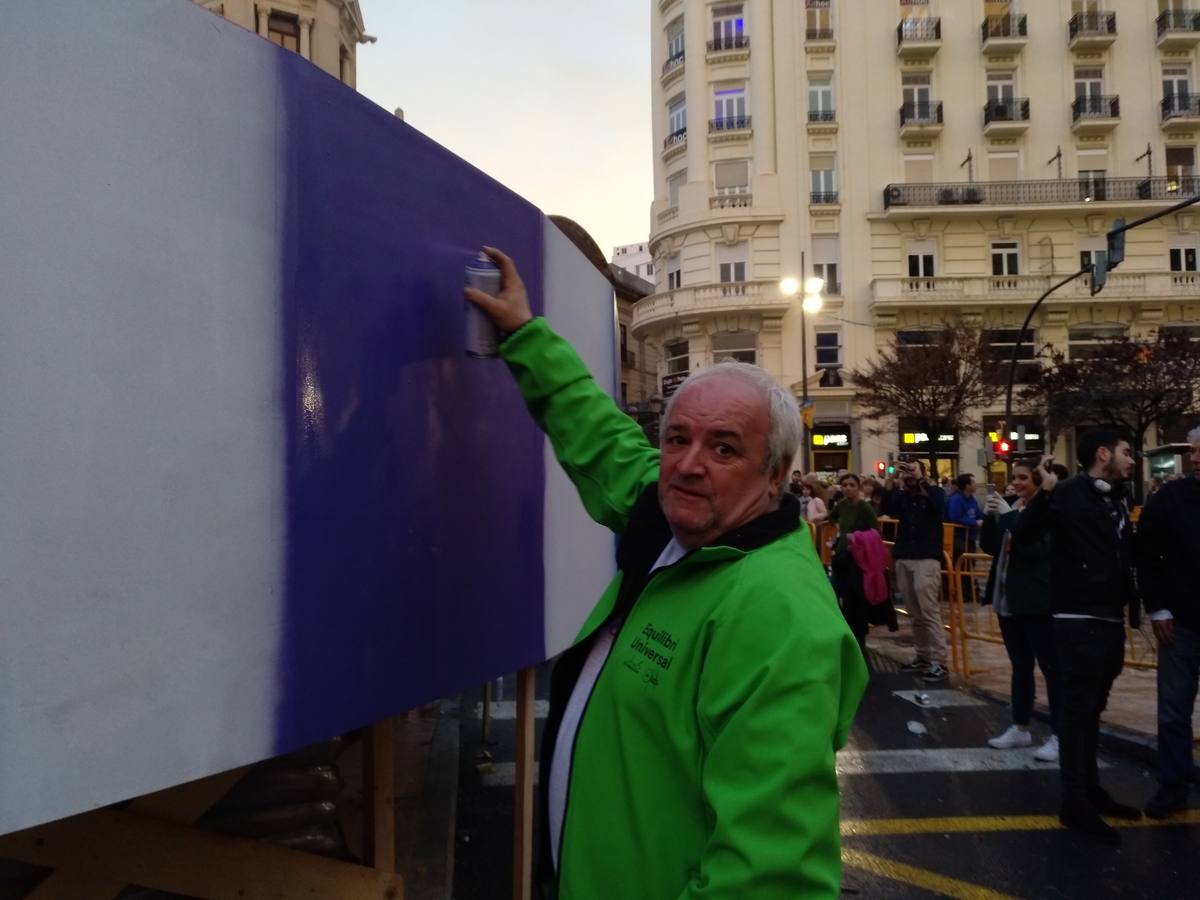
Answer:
(549, 97)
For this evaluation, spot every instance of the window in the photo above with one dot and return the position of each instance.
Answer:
(624, 343)
(1005, 258)
(1092, 184)
(731, 263)
(674, 183)
(826, 251)
(1181, 169)
(675, 40)
(1090, 341)
(739, 346)
(624, 394)
(918, 169)
(1176, 81)
(673, 272)
(677, 357)
(1088, 247)
(732, 176)
(284, 30)
(820, 100)
(1183, 259)
(828, 271)
(650, 270)
(920, 259)
(677, 116)
(729, 107)
(728, 27)
(1089, 92)
(823, 180)
(1087, 7)
(1191, 332)
(817, 20)
(829, 348)
(1000, 343)
(1001, 88)
(1003, 166)
(918, 95)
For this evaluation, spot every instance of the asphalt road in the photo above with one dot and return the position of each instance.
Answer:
(932, 814)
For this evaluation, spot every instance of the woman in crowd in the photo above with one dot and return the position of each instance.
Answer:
(872, 494)
(812, 502)
(853, 514)
(1019, 590)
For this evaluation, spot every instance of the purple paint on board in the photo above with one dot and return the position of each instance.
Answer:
(415, 477)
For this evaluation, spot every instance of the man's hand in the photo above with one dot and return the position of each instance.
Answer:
(1049, 479)
(1164, 630)
(509, 309)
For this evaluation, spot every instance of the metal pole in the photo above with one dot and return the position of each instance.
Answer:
(804, 366)
(1012, 367)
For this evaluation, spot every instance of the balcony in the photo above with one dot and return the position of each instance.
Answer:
(731, 201)
(709, 299)
(823, 198)
(818, 37)
(1180, 112)
(1065, 192)
(1004, 35)
(1095, 114)
(674, 144)
(1001, 290)
(921, 119)
(729, 128)
(918, 38)
(730, 48)
(1008, 116)
(1178, 30)
(1091, 31)
(821, 115)
(672, 69)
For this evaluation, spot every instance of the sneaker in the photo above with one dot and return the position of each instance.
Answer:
(1089, 824)
(1170, 799)
(915, 665)
(1048, 752)
(935, 672)
(1011, 739)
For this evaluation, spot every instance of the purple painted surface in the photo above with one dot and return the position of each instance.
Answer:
(415, 476)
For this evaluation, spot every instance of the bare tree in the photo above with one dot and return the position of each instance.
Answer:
(1130, 384)
(939, 383)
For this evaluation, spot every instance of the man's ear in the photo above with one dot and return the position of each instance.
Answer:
(780, 476)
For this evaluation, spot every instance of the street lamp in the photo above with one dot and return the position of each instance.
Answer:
(811, 304)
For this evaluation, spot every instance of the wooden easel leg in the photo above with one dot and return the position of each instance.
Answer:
(523, 807)
(379, 794)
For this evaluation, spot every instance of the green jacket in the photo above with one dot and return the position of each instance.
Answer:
(704, 762)
(1028, 581)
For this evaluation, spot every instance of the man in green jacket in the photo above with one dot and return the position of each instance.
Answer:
(689, 752)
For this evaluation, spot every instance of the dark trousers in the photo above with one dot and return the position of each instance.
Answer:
(1178, 673)
(1090, 656)
(1028, 639)
(847, 584)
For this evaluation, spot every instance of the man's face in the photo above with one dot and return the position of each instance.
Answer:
(1194, 456)
(969, 489)
(714, 447)
(1118, 464)
(796, 477)
(850, 490)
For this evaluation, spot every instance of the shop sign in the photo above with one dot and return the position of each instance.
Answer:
(832, 439)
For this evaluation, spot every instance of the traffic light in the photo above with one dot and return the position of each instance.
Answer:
(891, 463)
(880, 467)
(1116, 244)
(1001, 449)
(1100, 269)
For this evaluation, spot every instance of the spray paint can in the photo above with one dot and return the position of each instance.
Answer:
(482, 338)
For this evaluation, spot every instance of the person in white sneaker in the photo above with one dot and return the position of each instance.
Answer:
(1019, 590)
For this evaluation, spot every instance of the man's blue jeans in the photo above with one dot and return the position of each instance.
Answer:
(1178, 672)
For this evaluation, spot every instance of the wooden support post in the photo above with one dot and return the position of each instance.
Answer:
(523, 807)
(379, 796)
(485, 737)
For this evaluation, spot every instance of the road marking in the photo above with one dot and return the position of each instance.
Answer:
(922, 878)
(939, 699)
(979, 824)
(940, 759)
(507, 709)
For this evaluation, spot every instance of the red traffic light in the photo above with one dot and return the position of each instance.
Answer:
(1001, 448)
(880, 467)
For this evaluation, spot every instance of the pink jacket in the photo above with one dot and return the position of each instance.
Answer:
(866, 547)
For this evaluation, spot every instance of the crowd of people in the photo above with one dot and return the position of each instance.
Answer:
(1069, 569)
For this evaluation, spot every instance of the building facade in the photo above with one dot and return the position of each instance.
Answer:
(325, 32)
(937, 160)
(635, 259)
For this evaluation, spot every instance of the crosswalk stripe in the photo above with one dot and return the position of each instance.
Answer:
(976, 824)
(507, 709)
(942, 885)
(959, 759)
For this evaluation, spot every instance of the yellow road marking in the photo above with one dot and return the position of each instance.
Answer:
(922, 878)
(959, 824)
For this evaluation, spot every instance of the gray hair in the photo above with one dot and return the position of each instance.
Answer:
(783, 413)
(1194, 435)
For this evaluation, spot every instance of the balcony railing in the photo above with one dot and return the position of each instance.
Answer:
(675, 137)
(822, 115)
(1092, 25)
(1177, 20)
(921, 112)
(1014, 109)
(824, 197)
(1058, 192)
(919, 29)
(1007, 289)
(728, 123)
(731, 201)
(1175, 105)
(819, 34)
(1004, 27)
(672, 63)
(741, 296)
(1096, 106)
(730, 42)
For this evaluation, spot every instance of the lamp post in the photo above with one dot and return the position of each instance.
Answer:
(812, 303)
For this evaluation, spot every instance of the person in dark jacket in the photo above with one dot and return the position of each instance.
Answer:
(1169, 576)
(1092, 584)
(854, 513)
(1018, 588)
(919, 506)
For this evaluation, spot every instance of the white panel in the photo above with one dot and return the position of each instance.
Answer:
(579, 553)
(141, 438)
